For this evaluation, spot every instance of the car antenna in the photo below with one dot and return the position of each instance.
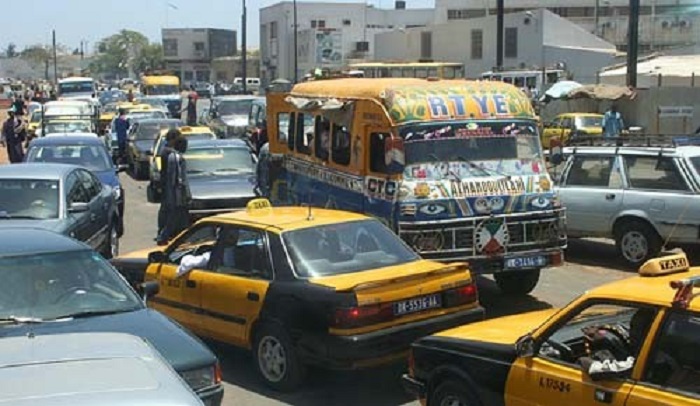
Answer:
(310, 215)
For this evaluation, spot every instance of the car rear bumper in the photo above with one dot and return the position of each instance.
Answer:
(378, 347)
(211, 396)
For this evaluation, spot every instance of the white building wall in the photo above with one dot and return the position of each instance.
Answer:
(364, 21)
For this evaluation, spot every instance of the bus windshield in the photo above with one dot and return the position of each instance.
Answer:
(162, 90)
(76, 87)
(472, 149)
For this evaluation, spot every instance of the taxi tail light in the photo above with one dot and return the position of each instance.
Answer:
(361, 315)
(217, 374)
(461, 295)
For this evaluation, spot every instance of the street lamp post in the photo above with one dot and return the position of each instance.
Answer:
(296, 61)
(244, 60)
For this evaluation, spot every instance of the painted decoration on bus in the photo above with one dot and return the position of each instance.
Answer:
(471, 100)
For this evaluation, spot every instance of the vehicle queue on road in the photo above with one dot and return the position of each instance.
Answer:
(320, 285)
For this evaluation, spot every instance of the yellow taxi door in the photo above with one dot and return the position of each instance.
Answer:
(537, 381)
(234, 289)
(174, 295)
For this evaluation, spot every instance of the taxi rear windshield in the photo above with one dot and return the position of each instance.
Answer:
(345, 248)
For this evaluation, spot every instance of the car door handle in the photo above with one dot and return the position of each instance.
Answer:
(253, 297)
(610, 196)
(603, 396)
(191, 284)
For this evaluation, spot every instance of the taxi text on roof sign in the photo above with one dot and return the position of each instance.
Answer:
(258, 204)
(665, 265)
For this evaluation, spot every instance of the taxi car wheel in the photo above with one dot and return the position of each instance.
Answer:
(636, 242)
(517, 282)
(111, 248)
(277, 359)
(452, 393)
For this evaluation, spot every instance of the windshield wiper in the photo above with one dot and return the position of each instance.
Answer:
(94, 313)
(20, 320)
(5, 216)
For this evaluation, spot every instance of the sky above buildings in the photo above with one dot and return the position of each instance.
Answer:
(92, 20)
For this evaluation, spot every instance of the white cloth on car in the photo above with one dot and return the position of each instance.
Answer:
(190, 262)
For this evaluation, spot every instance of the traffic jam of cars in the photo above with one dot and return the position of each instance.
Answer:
(343, 224)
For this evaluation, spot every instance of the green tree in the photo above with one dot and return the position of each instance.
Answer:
(119, 53)
(11, 50)
(150, 58)
(38, 55)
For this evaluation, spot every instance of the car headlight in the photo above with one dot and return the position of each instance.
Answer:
(202, 377)
(117, 192)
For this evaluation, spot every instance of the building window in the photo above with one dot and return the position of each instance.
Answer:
(273, 30)
(477, 44)
(322, 23)
(511, 50)
(188, 76)
(170, 47)
(199, 46)
(464, 14)
(347, 22)
(426, 44)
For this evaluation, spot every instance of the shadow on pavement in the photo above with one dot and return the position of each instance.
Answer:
(497, 304)
(381, 386)
(600, 253)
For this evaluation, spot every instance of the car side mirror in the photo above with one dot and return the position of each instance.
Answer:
(525, 346)
(78, 207)
(149, 289)
(156, 257)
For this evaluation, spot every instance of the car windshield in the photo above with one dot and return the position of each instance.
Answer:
(58, 285)
(146, 114)
(234, 107)
(345, 248)
(157, 103)
(469, 149)
(112, 96)
(76, 87)
(219, 160)
(28, 199)
(36, 117)
(190, 137)
(67, 127)
(589, 121)
(162, 90)
(92, 157)
(151, 131)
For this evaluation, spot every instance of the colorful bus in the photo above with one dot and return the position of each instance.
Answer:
(421, 70)
(454, 167)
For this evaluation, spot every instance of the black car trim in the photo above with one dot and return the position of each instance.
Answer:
(198, 310)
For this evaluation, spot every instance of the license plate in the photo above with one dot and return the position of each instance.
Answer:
(537, 261)
(417, 304)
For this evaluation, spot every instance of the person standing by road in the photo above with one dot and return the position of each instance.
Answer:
(121, 126)
(612, 123)
(191, 110)
(14, 132)
(170, 138)
(176, 193)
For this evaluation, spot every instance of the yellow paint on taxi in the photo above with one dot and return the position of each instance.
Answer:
(139, 253)
(502, 330)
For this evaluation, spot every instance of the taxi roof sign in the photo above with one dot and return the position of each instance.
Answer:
(258, 204)
(665, 265)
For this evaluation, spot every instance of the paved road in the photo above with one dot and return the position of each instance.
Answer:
(375, 387)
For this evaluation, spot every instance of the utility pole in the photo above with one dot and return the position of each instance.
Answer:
(296, 61)
(597, 17)
(500, 9)
(55, 57)
(633, 43)
(244, 50)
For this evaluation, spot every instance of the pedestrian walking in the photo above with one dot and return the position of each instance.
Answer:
(176, 193)
(170, 138)
(121, 126)
(19, 106)
(14, 133)
(263, 170)
(191, 110)
(612, 123)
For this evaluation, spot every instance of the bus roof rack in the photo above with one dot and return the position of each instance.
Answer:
(636, 140)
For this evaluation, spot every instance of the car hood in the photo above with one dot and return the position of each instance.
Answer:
(179, 347)
(235, 120)
(221, 186)
(501, 330)
(56, 225)
(108, 178)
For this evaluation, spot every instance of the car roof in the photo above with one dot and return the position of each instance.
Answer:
(20, 241)
(237, 97)
(46, 171)
(654, 290)
(159, 121)
(87, 368)
(69, 139)
(227, 143)
(686, 150)
(62, 135)
(287, 218)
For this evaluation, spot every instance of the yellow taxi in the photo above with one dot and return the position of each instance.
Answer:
(192, 133)
(107, 114)
(633, 342)
(302, 286)
(34, 122)
(582, 124)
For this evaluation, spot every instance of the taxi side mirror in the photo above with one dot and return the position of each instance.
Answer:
(156, 257)
(149, 289)
(525, 346)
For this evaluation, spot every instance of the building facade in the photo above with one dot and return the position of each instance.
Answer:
(227, 68)
(532, 39)
(328, 34)
(190, 51)
(662, 23)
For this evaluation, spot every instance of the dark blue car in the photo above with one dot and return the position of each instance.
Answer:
(52, 284)
(86, 151)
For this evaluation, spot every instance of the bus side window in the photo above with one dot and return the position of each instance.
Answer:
(283, 126)
(377, 162)
(290, 130)
(304, 134)
(322, 137)
(341, 145)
